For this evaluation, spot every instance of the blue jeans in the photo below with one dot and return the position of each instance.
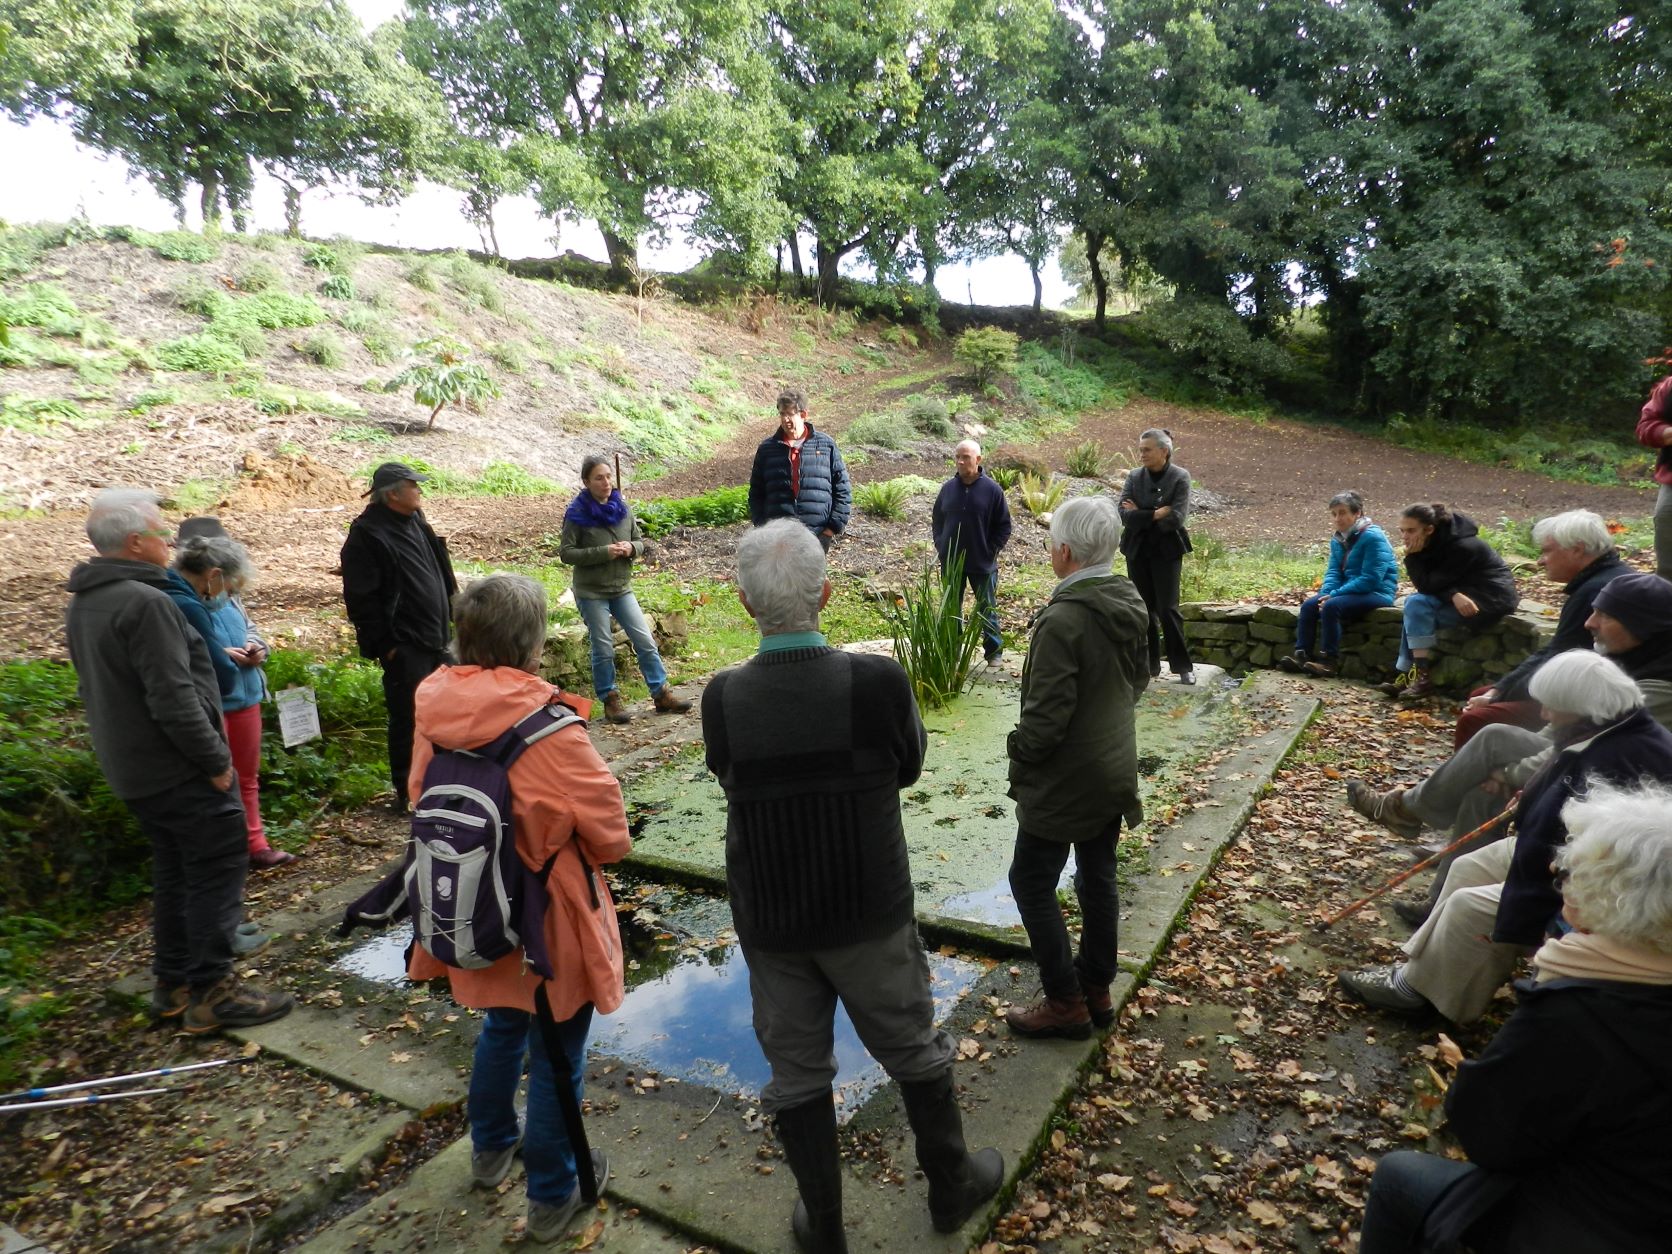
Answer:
(506, 1036)
(1424, 618)
(625, 608)
(1403, 1190)
(986, 589)
(1334, 614)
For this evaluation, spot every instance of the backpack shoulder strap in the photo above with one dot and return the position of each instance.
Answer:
(536, 726)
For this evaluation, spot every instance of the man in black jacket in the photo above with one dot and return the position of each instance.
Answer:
(972, 517)
(154, 714)
(812, 746)
(1577, 552)
(398, 585)
(799, 473)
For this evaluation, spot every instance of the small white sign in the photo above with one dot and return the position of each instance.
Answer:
(298, 716)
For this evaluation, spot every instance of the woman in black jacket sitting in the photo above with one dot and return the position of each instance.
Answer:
(1564, 1116)
(1458, 578)
(1153, 508)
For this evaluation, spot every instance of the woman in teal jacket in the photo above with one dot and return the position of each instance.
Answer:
(1362, 575)
(210, 571)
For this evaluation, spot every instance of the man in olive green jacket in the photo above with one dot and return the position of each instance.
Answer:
(1074, 767)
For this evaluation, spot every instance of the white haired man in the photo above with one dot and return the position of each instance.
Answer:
(812, 746)
(1074, 767)
(154, 713)
(1576, 551)
(1498, 902)
(972, 517)
(398, 587)
(1582, 1065)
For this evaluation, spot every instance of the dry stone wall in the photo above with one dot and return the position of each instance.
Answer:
(1246, 637)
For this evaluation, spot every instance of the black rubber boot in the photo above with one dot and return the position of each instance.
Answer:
(959, 1182)
(808, 1135)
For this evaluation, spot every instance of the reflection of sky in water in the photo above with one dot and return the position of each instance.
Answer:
(382, 958)
(695, 1022)
(996, 905)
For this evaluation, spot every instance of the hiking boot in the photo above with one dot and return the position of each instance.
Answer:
(1323, 667)
(1393, 687)
(1386, 808)
(1412, 913)
(489, 1167)
(992, 656)
(263, 859)
(234, 1004)
(1099, 1004)
(169, 1001)
(548, 1221)
(1185, 677)
(1420, 687)
(615, 709)
(1066, 1017)
(246, 944)
(667, 703)
(1375, 986)
(959, 1181)
(1294, 662)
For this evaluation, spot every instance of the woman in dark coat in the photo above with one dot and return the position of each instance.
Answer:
(1458, 579)
(1564, 1116)
(1153, 508)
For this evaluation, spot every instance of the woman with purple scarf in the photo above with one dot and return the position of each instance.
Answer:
(600, 540)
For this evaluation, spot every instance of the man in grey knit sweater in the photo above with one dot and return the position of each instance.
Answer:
(812, 746)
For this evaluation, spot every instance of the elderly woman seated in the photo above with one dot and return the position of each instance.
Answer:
(1362, 575)
(1498, 902)
(1564, 1116)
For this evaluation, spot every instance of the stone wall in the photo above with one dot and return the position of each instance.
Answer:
(1244, 637)
(567, 661)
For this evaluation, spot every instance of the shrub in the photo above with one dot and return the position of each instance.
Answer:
(381, 346)
(43, 305)
(1007, 477)
(886, 500)
(358, 319)
(184, 246)
(422, 275)
(321, 257)
(720, 507)
(22, 246)
(929, 416)
(196, 295)
(209, 353)
(933, 640)
(323, 349)
(1210, 337)
(475, 283)
(259, 276)
(880, 430)
(38, 415)
(247, 336)
(273, 310)
(446, 378)
(1041, 496)
(154, 398)
(509, 355)
(989, 352)
(1085, 461)
(338, 287)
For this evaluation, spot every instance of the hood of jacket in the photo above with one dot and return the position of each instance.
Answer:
(1115, 605)
(100, 572)
(1461, 527)
(460, 707)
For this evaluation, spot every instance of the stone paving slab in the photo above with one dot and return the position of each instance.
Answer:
(14, 1242)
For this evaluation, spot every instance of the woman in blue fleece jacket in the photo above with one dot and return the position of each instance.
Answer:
(1362, 575)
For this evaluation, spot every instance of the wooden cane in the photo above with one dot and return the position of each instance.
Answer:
(618, 472)
(1324, 925)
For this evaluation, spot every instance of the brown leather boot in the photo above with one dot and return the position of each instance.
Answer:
(667, 703)
(615, 709)
(1099, 1004)
(1420, 687)
(1052, 1016)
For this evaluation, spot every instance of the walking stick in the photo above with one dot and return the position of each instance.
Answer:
(130, 1078)
(1324, 925)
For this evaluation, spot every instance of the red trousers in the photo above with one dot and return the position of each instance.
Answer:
(1472, 718)
(243, 736)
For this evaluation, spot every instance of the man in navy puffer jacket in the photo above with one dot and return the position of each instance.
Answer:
(799, 474)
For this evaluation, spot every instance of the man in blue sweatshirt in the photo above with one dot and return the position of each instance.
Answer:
(971, 516)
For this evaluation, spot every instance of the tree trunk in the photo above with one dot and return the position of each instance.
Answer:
(778, 266)
(624, 253)
(210, 201)
(292, 211)
(1038, 288)
(829, 262)
(1099, 280)
(795, 260)
(493, 235)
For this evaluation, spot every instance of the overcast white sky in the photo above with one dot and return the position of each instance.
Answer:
(53, 177)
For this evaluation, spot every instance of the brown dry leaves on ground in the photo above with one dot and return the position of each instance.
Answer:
(1243, 1100)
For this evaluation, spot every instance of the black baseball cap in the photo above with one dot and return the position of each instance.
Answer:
(391, 473)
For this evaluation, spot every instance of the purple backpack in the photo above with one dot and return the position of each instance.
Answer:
(471, 899)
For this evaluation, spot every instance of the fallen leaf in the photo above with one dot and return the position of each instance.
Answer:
(1265, 1213)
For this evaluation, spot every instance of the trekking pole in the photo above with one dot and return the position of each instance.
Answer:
(1324, 925)
(115, 1079)
(618, 472)
(92, 1099)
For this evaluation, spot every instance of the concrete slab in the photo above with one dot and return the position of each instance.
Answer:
(437, 1209)
(14, 1242)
